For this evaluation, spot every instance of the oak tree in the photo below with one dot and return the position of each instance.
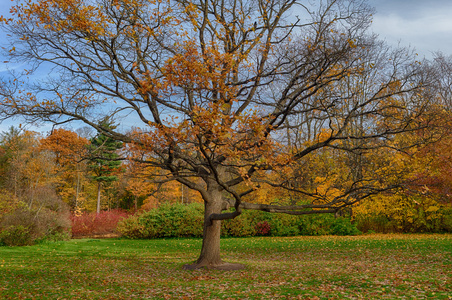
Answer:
(214, 89)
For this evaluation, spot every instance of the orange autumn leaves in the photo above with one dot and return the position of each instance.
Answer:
(242, 139)
(76, 16)
(63, 15)
(201, 71)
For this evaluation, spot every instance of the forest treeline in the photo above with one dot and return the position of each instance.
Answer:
(53, 181)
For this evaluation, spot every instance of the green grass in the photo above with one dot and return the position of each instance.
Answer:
(364, 267)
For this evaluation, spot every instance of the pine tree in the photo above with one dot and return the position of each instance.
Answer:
(104, 159)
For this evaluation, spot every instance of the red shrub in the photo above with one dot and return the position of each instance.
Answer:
(90, 224)
(263, 228)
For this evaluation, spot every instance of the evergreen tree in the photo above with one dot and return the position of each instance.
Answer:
(104, 159)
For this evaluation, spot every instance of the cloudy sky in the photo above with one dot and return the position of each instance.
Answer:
(425, 25)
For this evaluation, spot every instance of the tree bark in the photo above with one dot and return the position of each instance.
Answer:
(99, 187)
(210, 252)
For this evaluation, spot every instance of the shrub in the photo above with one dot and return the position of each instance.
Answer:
(132, 228)
(186, 221)
(375, 222)
(177, 220)
(263, 228)
(326, 224)
(39, 216)
(315, 225)
(446, 219)
(244, 225)
(193, 220)
(16, 236)
(343, 226)
(282, 224)
(89, 224)
(26, 226)
(55, 225)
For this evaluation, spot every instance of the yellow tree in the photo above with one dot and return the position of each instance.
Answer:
(69, 150)
(28, 171)
(212, 87)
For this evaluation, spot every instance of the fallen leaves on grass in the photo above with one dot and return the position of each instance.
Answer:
(380, 267)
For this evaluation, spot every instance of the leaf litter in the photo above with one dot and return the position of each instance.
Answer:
(364, 267)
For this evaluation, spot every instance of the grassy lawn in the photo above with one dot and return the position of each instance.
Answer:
(363, 267)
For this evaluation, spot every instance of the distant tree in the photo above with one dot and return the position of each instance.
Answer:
(11, 144)
(104, 159)
(27, 170)
(215, 87)
(69, 150)
(432, 170)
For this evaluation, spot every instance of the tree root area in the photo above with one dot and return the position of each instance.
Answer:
(222, 266)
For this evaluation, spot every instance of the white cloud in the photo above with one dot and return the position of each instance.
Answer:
(425, 25)
(394, 24)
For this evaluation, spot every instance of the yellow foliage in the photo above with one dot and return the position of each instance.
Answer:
(8, 202)
(404, 211)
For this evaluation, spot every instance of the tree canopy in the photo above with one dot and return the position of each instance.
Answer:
(228, 96)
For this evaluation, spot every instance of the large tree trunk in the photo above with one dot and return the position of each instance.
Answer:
(210, 251)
